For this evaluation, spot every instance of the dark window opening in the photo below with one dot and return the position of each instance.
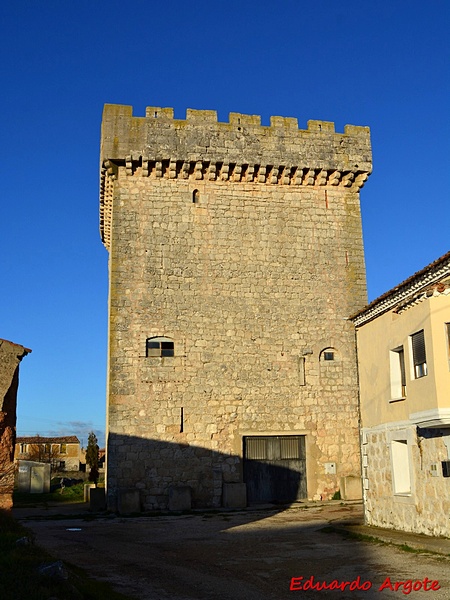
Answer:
(159, 347)
(195, 196)
(419, 355)
(328, 356)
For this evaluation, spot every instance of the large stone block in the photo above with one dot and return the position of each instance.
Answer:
(180, 498)
(234, 495)
(128, 501)
(351, 488)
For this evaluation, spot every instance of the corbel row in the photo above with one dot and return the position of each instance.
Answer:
(233, 172)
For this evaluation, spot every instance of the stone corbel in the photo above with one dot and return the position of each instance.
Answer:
(361, 179)
(129, 165)
(111, 169)
(212, 172)
(298, 176)
(335, 177)
(286, 175)
(310, 177)
(145, 167)
(198, 172)
(172, 169)
(322, 177)
(224, 172)
(185, 170)
(274, 175)
(347, 180)
(262, 175)
(237, 173)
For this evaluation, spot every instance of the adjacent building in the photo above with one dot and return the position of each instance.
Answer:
(403, 341)
(235, 259)
(62, 453)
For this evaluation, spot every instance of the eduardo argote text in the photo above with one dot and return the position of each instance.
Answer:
(405, 587)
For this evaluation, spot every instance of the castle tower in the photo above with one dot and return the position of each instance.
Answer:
(235, 260)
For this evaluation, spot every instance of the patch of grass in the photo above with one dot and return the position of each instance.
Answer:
(20, 578)
(361, 537)
(74, 493)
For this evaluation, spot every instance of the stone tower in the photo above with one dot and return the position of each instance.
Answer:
(235, 259)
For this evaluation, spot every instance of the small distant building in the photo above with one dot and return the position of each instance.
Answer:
(63, 453)
(403, 341)
(10, 356)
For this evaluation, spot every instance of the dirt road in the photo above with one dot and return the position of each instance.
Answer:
(251, 555)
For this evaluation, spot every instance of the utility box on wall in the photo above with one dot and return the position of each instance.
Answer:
(33, 477)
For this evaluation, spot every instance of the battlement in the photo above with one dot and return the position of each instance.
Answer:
(200, 147)
(201, 137)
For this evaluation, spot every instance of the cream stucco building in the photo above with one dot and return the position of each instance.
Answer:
(403, 341)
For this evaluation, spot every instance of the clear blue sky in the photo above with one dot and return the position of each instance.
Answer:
(383, 64)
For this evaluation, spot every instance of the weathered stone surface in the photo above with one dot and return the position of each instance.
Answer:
(351, 488)
(128, 501)
(10, 357)
(97, 500)
(242, 244)
(180, 497)
(234, 495)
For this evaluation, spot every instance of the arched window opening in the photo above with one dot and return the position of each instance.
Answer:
(159, 347)
(328, 355)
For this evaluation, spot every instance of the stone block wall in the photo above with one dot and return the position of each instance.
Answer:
(426, 507)
(10, 356)
(242, 245)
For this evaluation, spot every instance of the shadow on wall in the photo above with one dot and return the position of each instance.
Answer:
(147, 474)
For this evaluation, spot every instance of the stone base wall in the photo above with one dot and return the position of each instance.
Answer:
(426, 508)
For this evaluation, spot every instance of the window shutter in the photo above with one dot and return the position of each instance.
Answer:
(418, 347)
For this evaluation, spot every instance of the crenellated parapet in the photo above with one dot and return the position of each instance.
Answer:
(198, 148)
(243, 140)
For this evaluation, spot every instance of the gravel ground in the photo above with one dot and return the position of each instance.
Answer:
(251, 555)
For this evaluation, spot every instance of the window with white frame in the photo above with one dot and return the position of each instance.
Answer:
(419, 354)
(401, 476)
(398, 373)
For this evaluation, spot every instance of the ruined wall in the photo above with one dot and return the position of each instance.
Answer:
(10, 357)
(242, 244)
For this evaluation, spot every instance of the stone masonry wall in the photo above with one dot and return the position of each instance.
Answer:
(422, 510)
(252, 270)
(10, 357)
